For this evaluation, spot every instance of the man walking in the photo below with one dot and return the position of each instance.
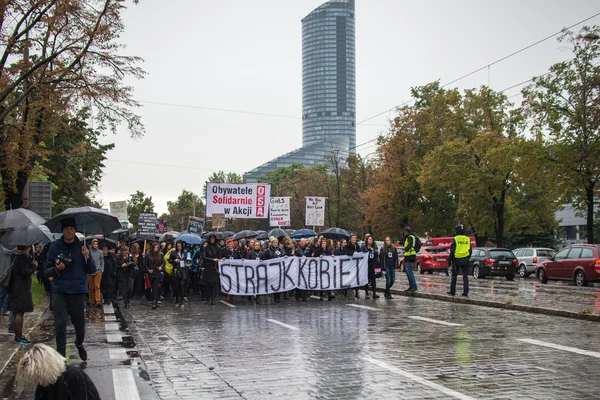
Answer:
(410, 256)
(460, 252)
(67, 266)
(95, 279)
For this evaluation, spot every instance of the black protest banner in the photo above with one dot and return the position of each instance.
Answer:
(252, 277)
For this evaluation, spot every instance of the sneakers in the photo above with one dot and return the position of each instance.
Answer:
(22, 340)
(82, 352)
(98, 305)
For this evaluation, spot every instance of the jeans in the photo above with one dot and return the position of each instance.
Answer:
(465, 273)
(412, 283)
(390, 278)
(65, 306)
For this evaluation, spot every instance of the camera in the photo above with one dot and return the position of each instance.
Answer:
(68, 261)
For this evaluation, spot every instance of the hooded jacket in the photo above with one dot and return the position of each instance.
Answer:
(211, 251)
(98, 257)
(72, 279)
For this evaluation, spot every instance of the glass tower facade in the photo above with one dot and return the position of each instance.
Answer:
(328, 89)
(329, 76)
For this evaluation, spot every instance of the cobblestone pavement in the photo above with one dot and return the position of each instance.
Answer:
(564, 296)
(409, 348)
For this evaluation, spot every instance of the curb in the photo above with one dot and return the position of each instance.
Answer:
(41, 308)
(497, 304)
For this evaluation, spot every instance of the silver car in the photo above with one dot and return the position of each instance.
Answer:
(531, 257)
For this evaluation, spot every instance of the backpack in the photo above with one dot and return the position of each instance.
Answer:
(417, 243)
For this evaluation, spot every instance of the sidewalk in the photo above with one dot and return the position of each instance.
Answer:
(555, 298)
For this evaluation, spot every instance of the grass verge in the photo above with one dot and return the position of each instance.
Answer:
(37, 292)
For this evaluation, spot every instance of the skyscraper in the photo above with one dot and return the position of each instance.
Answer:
(328, 88)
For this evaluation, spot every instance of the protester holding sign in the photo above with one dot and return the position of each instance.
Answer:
(371, 248)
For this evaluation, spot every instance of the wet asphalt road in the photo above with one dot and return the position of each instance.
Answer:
(406, 348)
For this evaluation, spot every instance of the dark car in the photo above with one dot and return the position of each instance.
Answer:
(578, 263)
(490, 261)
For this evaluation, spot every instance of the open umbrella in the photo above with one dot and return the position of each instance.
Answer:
(290, 231)
(304, 233)
(168, 237)
(336, 234)
(262, 236)
(277, 232)
(89, 220)
(190, 238)
(19, 217)
(27, 235)
(244, 235)
(119, 234)
(227, 234)
(218, 235)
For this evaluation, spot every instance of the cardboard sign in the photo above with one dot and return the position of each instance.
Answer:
(315, 211)
(279, 213)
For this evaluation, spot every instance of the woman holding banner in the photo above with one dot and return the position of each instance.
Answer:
(255, 254)
(211, 256)
(349, 250)
(371, 248)
(325, 249)
(274, 251)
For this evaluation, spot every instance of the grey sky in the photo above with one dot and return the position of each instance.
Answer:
(246, 55)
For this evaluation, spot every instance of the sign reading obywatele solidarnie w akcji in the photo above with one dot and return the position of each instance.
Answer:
(238, 200)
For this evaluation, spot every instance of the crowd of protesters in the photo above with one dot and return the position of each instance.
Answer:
(174, 271)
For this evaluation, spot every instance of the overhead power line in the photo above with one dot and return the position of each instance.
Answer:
(220, 109)
(486, 66)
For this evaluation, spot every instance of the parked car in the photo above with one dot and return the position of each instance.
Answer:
(530, 257)
(430, 258)
(579, 263)
(446, 242)
(492, 261)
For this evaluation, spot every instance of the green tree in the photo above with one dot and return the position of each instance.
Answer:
(187, 204)
(56, 56)
(564, 107)
(138, 203)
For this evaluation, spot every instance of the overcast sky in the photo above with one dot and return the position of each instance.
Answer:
(246, 55)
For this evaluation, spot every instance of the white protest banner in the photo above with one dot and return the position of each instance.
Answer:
(254, 277)
(315, 211)
(238, 200)
(280, 212)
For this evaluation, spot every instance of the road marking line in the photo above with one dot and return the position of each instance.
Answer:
(109, 309)
(434, 321)
(282, 324)
(110, 318)
(363, 307)
(118, 353)
(315, 297)
(124, 384)
(111, 327)
(406, 374)
(560, 347)
(114, 338)
(227, 304)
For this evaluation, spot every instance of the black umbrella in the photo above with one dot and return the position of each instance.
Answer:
(168, 237)
(277, 232)
(218, 235)
(304, 233)
(336, 234)
(290, 231)
(244, 235)
(19, 217)
(227, 234)
(89, 220)
(119, 234)
(262, 236)
(27, 235)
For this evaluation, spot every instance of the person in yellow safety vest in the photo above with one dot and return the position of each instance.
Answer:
(410, 256)
(460, 252)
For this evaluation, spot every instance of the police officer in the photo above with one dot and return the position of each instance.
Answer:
(460, 252)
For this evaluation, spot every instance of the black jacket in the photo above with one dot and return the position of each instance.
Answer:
(73, 384)
(231, 255)
(20, 299)
(211, 252)
(374, 259)
(153, 265)
(254, 255)
(110, 269)
(129, 270)
(350, 249)
(273, 252)
(318, 252)
(386, 260)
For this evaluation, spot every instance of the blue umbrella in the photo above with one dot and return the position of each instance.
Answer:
(304, 233)
(190, 238)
